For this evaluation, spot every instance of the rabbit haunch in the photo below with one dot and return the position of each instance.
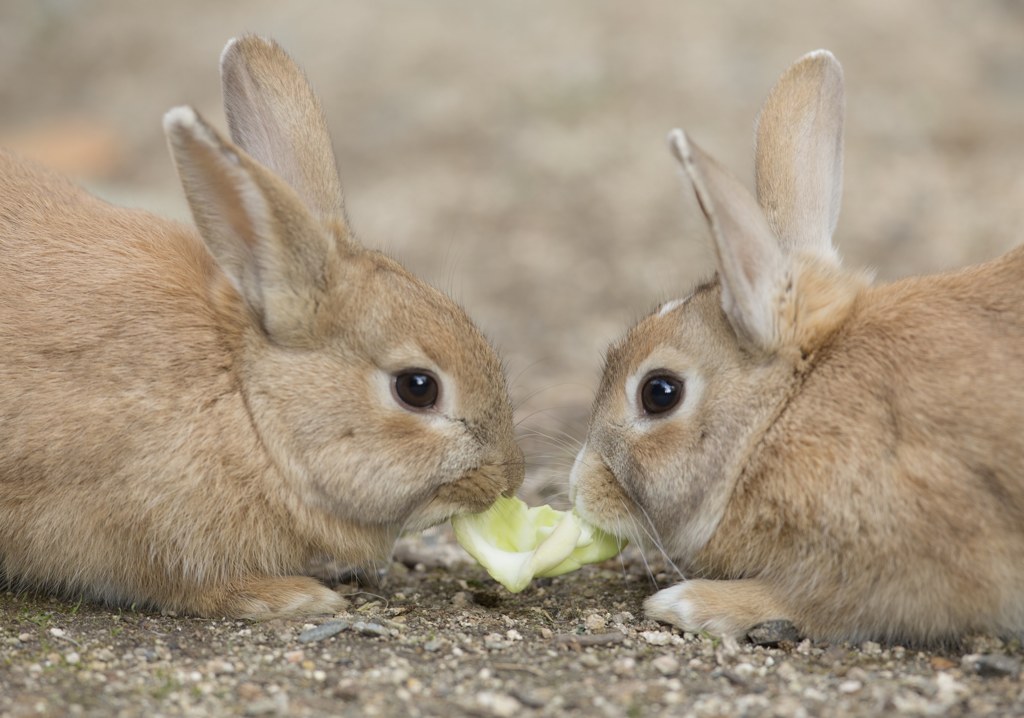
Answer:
(841, 454)
(189, 419)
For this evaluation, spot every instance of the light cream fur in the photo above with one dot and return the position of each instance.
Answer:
(189, 419)
(854, 458)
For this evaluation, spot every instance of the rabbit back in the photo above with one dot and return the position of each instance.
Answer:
(892, 485)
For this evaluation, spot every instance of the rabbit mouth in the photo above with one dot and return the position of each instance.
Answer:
(472, 493)
(600, 499)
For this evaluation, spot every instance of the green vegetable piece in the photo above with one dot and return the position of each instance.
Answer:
(515, 543)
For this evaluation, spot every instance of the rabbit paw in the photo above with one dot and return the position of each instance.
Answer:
(278, 597)
(722, 608)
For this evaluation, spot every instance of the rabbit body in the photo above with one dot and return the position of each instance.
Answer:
(844, 455)
(190, 418)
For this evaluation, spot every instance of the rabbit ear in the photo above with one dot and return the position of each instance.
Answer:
(274, 116)
(799, 154)
(751, 264)
(271, 247)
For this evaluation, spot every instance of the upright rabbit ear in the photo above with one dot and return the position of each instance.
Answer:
(274, 116)
(799, 154)
(751, 265)
(277, 254)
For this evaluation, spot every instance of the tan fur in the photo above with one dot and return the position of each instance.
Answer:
(189, 420)
(847, 456)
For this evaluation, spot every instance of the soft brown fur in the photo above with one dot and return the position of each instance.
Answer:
(189, 420)
(847, 456)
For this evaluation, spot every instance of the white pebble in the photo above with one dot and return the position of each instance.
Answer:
(656, 638)
(666, 665)
(624, 666)
(871, 648)
(499, 704)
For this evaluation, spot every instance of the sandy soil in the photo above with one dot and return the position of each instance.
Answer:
(514, 154)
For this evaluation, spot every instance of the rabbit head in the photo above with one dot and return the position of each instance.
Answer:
(374, 393)
(689, 390)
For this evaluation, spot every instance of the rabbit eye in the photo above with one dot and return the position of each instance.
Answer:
(416, 389)
(661, 393)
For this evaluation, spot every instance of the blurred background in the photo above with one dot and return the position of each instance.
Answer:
(513, 153)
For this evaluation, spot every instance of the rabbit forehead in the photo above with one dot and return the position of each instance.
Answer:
(681, 335)
(400, 321)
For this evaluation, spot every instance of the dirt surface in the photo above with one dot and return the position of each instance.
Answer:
(450, 642)
(513, 154)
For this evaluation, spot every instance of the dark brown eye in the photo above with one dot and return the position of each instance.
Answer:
(416, 389)
(661, 393)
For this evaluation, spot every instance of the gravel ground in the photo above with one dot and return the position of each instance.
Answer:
(513, 153)
(446, 641)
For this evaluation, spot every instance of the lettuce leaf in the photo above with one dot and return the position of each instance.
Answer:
(516, 543)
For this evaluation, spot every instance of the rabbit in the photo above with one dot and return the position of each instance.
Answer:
(806, 444)
(189, 417)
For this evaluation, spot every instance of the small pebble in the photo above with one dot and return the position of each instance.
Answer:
(219, 667)
(625, 666)
(323, 631)
(656, 638)
(499, 704)
(494, 642)
(462, 599)
(991, 665)
(595, 622)
(772, 633)
(249, 691)
(666, 665)
(370, 629)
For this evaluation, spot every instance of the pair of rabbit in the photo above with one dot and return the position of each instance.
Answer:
(806, 445)
(189, 420)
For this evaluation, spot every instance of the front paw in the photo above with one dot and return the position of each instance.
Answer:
(722, 608)
(268, 597)
(675, 606)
